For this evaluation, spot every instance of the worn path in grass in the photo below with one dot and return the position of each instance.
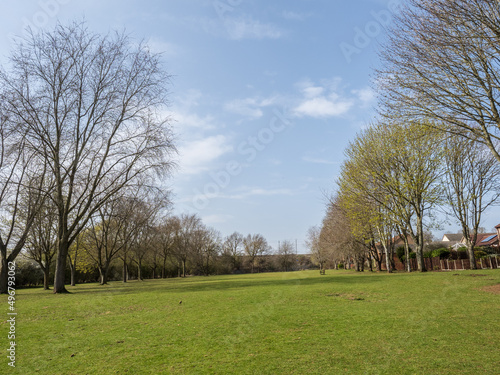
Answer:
(281, 323)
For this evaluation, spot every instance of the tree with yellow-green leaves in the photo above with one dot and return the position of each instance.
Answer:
(396, 167)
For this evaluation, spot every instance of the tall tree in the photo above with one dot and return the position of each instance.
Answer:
(472, 182)
(398, 166)
(90, 105)
(441, 62)
(166, 232)
(184, 239)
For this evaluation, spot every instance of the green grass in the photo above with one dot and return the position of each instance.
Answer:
(283, 323)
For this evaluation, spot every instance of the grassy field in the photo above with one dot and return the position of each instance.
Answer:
(282, 323)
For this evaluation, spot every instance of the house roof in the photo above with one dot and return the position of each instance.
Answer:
(453, 237)
(487, 239)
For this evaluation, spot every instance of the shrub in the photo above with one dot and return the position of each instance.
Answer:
(428, 254)
(480, 254)
(341, 266)
(442, 253)
(28, 274)
(400, 252)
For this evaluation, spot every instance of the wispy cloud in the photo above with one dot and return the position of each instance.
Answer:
(196, 156)
(365, 95)
(168, 49)
(295, 16)
(248, 192)
(217, 219)
(249, 107)
(249, 28)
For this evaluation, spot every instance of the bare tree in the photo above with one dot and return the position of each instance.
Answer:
(90, 105)
(318, 253)
(233, 249)
(167, 230)
(184, 239)
(255, 246)
(286, 255)
(441, 62)
(41, 245)
(345, 247)
(472, 186)
(206, 245)
(103, 237)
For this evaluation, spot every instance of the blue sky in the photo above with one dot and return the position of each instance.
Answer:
(264, 97)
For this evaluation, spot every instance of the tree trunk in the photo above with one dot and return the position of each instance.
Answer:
(420, 245)
(124, 271)
(470, 252)
(388, 263)
(72, 268)
(59, 278)
(103, 275)
(163, 269)
(3, 273)
(183, 268)
(46, 271)
(139, 274)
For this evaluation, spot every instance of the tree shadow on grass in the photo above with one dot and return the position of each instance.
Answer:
(200, 284)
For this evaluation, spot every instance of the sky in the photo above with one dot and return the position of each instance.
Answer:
(264, 97)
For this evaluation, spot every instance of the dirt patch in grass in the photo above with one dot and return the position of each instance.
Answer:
(350, 297)
(495, 289)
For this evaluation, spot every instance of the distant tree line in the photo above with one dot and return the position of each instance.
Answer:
(130, 238)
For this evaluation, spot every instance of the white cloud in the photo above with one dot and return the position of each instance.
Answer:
(167, 49)
(366, 95)
(192, 120)
(183, 113)
(249, 107)
(196, 156)
(322, 101)
(249, 192)
(216, 219)
(322, 106)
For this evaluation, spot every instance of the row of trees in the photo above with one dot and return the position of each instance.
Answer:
(436, 144)
(134, 232)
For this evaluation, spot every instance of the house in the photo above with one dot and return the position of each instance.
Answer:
(396, 242)
(488, 239)
(483, 239)
(452, 237)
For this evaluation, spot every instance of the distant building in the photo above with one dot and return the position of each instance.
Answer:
(452, 237)
(483, 239)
